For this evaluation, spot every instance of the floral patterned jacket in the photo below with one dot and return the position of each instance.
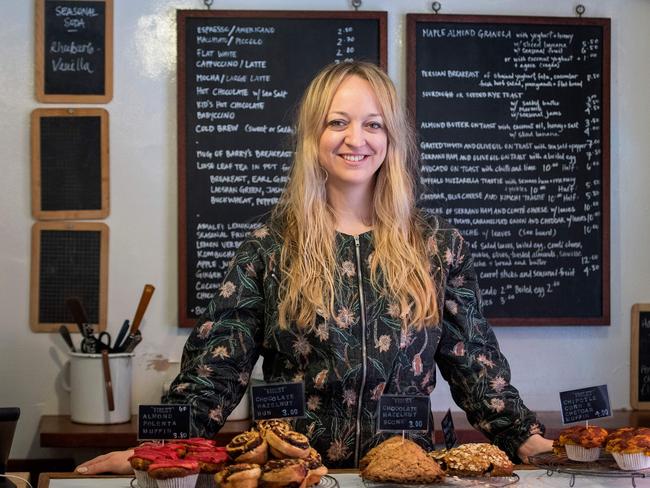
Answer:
(348, 361)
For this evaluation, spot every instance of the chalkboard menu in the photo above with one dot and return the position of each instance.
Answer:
(585, 404)
(69, 259)
(74, 51)
(640, 357)
(513, 119)
(240, 77)
(163, 422)
(70, 175)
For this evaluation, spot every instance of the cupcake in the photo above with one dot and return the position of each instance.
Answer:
(582, 443)
(175, 473)
(146, 455)
(210, 463)
(630, 447)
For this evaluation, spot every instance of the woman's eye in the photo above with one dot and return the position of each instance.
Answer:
(375, 125)
(336, 123)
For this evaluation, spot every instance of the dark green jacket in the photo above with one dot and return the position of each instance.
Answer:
(349, 360)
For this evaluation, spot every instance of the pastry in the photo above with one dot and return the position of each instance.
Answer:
(146, 455)
(243, 475)
(278, 473)
(474, 459)
(582, 443)
(287, 444)
(248, 447)
(630, 447)
(315, 468)
(175, 473)
(264, 425)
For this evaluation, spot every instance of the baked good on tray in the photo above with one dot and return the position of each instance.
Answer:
(278, 473)
(474, 459)
(400, 460)
(630, 447)
(582, 443)
(242, 475)
(175, 473)
(248, 447)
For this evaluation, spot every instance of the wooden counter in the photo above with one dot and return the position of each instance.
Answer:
(60, 431)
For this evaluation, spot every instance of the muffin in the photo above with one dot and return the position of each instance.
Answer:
(210, 463)
(630, 447)
(146, 455)
(582, 443)
(175, 473)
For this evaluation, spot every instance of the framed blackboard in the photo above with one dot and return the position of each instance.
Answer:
(70, 172)
(69, 259)
(74, 51)
(640, 357)
(240, 77)
(513, 118)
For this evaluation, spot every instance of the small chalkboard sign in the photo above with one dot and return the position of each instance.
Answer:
(70, 173)
(278, 400)
(69, 259)
(448, 430)
(585, 404)
(74, 51)
(640, 357)
(403, 412)
(163, 422)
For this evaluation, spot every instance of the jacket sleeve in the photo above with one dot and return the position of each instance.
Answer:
(471, 362)
(224, 345)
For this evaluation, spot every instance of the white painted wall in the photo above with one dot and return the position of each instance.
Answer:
(143, 215)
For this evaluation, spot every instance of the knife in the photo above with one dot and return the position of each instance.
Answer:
(65, 333)
(121, 336)
(89, 343)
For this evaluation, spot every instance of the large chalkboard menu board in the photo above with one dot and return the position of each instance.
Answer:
(74, 51)
(240, 77)
(640, 357)
(513, 118)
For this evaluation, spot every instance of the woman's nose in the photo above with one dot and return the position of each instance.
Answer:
(354, 136)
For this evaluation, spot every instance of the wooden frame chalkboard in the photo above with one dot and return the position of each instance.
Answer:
(74, 51)
(240, 76)
(69, 259)
(513, 116)
(640, 357)
(70, 164)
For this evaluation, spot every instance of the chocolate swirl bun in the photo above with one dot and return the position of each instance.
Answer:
(287, 444)
(290, 473)
(243, 475)
(315, 468)
(248, 447)
(263, 426)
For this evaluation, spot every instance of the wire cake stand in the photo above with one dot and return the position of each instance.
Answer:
(605, 467)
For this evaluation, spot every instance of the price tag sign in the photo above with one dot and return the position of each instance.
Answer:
(403, 412)
(163, 422)
(585, 404)
(278, 400)
(448, 430)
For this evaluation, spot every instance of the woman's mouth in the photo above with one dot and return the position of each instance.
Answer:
(353, 158)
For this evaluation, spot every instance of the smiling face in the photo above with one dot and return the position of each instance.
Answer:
(353, 144)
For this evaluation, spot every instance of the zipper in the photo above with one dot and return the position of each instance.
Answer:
(362, 306)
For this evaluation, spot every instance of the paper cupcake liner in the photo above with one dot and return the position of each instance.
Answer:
(180, 482)
(144, 480)
(582, 454)
(632, 462)
(206, 480)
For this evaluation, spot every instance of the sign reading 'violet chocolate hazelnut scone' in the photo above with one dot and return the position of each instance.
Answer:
(278, 400)
(403, 412)
(163, 422)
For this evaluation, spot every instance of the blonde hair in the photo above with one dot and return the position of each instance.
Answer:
(308, 227)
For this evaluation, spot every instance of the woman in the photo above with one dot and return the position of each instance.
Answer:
(352, 290)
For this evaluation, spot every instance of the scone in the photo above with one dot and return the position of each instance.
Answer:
(401, 462)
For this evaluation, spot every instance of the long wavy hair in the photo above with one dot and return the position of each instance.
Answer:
(308, 226)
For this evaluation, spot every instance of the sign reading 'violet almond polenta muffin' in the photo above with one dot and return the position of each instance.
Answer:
(163, 422)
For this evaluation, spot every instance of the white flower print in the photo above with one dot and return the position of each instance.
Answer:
(261, 233)
(319, 380)
(452, 306)
(432, 246)
(449, 257)
(383, 343)
(302, 346)
(227, 289)
(497, 405)
(345, 318)
(298, 377)
(204, 330)
(378, 391)
(459, 349)
(349, 397)
(220, 352)
(347, 269)
(394, 310)
(498, 384)
(457, 281)
(337, 450)
(250, 270)
(181, 387)
(322, 332)
(535, 429)
(481, 358)
(405, 339)
(313, 403)
(243, 378)
(204, 371)
(216, 414)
